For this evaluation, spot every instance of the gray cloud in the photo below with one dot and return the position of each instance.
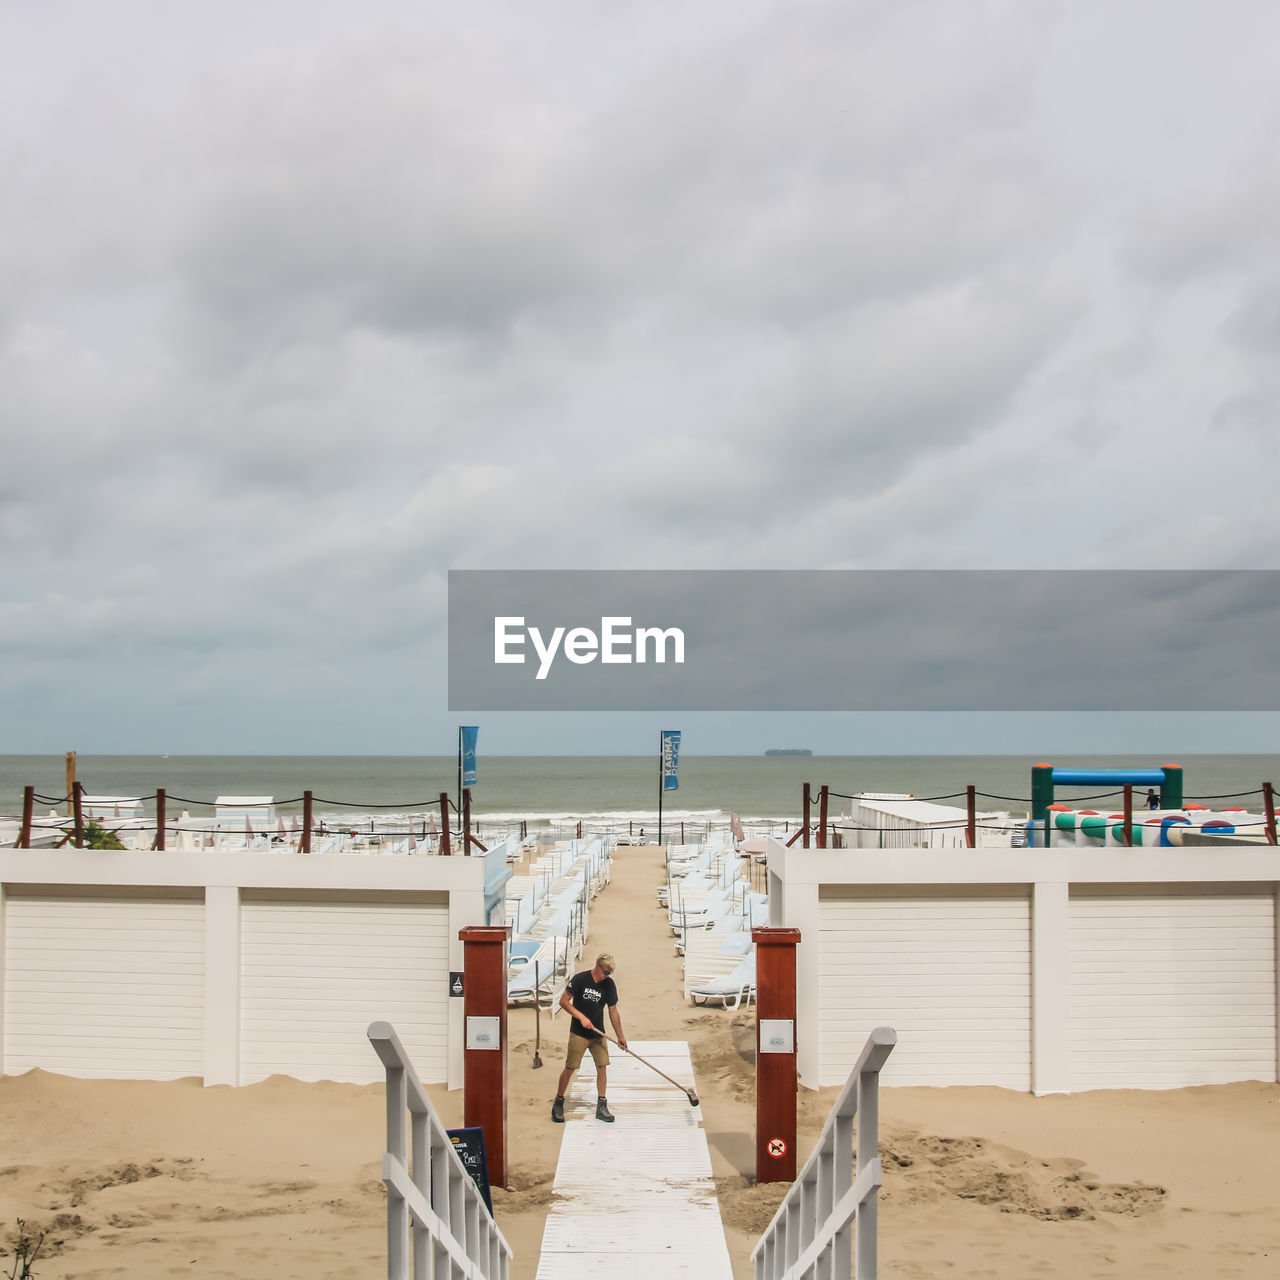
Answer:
(300, 308)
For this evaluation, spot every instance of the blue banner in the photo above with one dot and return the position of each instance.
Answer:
(670, 759)
(467, 738)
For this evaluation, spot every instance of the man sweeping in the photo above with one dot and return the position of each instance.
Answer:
(585, 999)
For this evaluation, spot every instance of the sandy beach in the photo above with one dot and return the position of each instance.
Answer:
(280, 1179)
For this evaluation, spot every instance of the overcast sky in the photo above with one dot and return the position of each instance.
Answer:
(304, 304)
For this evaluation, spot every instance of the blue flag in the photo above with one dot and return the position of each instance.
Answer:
(670, 759)
(467, 737)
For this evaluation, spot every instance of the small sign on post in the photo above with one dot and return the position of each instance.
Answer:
(469, 1144)
(455, 983)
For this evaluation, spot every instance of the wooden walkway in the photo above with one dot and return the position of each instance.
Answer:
(635, 1199)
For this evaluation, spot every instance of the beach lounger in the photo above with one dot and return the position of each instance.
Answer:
(709, 956)
(732, 989)
(521, 951)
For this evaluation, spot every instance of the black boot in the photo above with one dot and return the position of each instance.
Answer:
(602, 1111)
(557, 1111)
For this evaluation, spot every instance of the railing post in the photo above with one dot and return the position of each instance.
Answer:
(485, 1063)
(305, 846)
(865, 1219)
(445, 848)
(1269, 805)
(28, 810)
(775, 1066)
(822, 817)
(805, 802)
(971, 815)
(841, 1181)
(161, 819)
(1128, 814)
(466, 821)
(397, 1210)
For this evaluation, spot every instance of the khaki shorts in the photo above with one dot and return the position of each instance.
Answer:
(578, 1046)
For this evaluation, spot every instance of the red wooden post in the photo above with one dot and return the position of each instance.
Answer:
(484, 1080)
(77, 797)
(822, 817)
(1269, 804)
(805, 828)
(1128, 815)
(775, 1053)
(28, 807)
(161, 821)
(466, 820)
(971, 815)
(445, 848)
(305, 844)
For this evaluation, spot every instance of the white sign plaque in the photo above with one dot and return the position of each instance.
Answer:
(484, 1033)
(777, 1035)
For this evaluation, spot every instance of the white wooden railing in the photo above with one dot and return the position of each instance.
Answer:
(810, 1234)
(454, 1234)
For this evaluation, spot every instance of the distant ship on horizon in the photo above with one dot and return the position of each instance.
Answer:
(788, 751)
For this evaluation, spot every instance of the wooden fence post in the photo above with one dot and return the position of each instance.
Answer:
(77, 795)
(161, 820)
(28, 809)
(446, 848)
(971, 815)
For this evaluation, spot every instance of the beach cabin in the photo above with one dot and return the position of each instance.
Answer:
(1051, 970)
(247, 817)
(228, 965)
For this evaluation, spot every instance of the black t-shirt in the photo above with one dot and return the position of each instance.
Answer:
(590, 997)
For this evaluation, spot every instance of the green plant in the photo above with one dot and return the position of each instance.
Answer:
(98, 837)
(26, 1249)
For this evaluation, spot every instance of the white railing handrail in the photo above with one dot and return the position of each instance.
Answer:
(809, 1234)
(453, 1229)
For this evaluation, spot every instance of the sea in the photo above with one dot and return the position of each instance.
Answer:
(618, 794)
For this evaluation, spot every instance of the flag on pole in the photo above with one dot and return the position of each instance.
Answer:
(670, 759)
(468, 734)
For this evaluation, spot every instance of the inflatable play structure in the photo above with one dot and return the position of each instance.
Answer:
(1053, 824)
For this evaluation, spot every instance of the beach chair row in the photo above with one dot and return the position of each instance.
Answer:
(548, 911)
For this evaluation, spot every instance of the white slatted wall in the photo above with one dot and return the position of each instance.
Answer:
(951, 971)
(315, 974)
(104, 987)
(1172, 989)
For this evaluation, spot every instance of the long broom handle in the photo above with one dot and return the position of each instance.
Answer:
(683, 1088)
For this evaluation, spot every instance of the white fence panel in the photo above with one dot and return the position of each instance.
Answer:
(950, 968)
(105, 987)
(1173, 988)
(313, 972)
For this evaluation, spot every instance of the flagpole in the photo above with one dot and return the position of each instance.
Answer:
(661, 780)
(460, 772)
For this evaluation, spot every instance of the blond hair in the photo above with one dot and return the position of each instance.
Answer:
(605, 960)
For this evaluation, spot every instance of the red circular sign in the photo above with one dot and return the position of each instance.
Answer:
(777, 1148)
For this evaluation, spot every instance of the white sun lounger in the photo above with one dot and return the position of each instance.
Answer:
(730, 990)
